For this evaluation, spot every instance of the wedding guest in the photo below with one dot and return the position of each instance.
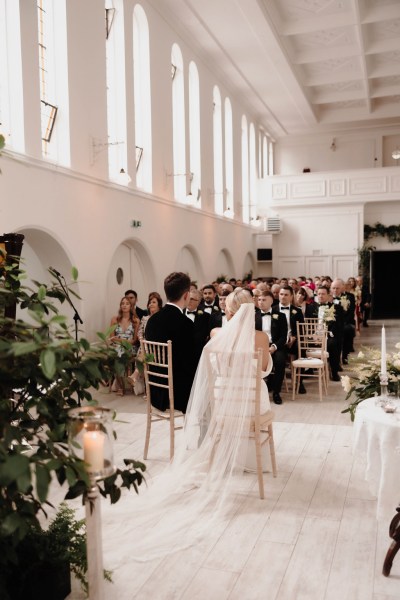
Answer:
(126, 328)
(348, 303)
(300, 299)
(366, 299)
(218, 317)
(132, 297)
(200, 319)
(275, 293)
(209, 302)
(170, 323)
(154, 304)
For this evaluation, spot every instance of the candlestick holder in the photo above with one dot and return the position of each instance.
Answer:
(90, 438)
(384, 380)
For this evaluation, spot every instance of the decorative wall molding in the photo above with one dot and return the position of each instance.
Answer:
(338, 187)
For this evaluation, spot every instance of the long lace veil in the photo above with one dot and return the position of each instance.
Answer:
(198, 487)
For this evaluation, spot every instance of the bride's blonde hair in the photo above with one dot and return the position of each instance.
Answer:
(235, 299)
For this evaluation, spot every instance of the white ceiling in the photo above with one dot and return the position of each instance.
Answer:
(304, 65)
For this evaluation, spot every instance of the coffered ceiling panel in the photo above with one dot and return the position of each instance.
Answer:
(304, 65)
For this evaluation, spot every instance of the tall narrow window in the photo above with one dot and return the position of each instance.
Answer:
(270, 157)
(245, 171)
(142, 99)
(11, 97)
(252, 173)
(218, 153)
(194, 134)
(265, 170)
(180, 177)
(116, 98)
(53, 74)
(229, 207)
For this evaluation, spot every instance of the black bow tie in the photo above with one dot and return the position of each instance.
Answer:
(191, 312)
(324, 304)
(263, 314)
(284, 308)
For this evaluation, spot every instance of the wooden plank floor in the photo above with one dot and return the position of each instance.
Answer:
(314, 537)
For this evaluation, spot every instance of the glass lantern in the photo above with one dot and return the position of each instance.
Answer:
(90, 438)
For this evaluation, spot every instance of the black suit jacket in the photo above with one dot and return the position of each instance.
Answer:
(171, 324)
(141, 312)
(279, 328)
(336, 326)
(202, 305)
(349, 314)
(201, 331)
(215, 319)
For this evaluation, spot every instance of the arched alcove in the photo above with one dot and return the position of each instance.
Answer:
(40, 251)
(249, 264)
(224, 264)
(130, 268)
(188, 261)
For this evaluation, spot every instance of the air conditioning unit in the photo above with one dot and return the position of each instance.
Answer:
(273, 225)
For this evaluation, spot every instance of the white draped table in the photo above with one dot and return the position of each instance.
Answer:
(376, 435)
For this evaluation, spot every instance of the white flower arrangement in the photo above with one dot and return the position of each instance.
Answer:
(345, 303)
(328, 314)
(365, 381)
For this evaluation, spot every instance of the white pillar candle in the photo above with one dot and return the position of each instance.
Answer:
(383, 352)
(93, 450)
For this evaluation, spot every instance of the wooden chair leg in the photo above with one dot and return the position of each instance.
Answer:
(272, 449)
(171, 436)
(294, 382)
(257, 442)
(148, 428)
(320, 376)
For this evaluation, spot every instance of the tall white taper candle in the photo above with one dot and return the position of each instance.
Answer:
(383, 352)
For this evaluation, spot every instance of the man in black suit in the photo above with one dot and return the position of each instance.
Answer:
(210, 301)
(170, 323)
(335, 327)
(293, 316)
(274, 324)
(348, 303)
(200, 319)
(218, 317)
(132, 297)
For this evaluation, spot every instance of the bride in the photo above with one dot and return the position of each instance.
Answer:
(199, 487)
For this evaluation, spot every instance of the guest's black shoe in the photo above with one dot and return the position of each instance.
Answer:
(302, 389)
(277, 398)
(340, 368)
(335, 377)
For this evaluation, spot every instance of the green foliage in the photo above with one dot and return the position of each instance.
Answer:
(44, 372)
(392, 232)
(221, 278)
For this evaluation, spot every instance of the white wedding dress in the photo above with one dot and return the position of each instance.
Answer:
(194, 494)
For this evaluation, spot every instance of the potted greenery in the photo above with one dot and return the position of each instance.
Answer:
(44, 372)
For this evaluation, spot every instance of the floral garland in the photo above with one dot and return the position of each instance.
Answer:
(392, 232)
(365, 381)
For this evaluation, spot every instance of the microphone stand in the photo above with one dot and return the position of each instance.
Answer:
(64, 288)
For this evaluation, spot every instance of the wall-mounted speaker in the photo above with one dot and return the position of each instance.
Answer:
(264, 254)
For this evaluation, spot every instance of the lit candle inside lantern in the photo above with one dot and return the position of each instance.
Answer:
(383, 352)
(93, 450)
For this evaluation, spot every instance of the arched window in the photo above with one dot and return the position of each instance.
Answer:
(116, 97)
(180, 176)
(194, 134)
(229, 207)
(53, 76)
(252, 173)
(142, 99)
(245, 171)
(218, 153)
(11, 93)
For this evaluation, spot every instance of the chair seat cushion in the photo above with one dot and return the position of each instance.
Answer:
(310, 363)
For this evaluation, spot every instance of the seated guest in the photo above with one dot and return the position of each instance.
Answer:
(301, 298)
(335, 326)
(132, 297)
(275, 293)
(126, 328)
(154, 304)
(218, 317)
(200, 319)
(170, 323)
(210, 301)
(274, 323)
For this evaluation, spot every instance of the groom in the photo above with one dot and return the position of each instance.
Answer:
(170, 323)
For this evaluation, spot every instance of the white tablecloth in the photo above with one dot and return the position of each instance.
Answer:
(377, 435)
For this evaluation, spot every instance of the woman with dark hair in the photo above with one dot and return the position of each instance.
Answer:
(154, 304)
(301, 299)
(126, 327)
